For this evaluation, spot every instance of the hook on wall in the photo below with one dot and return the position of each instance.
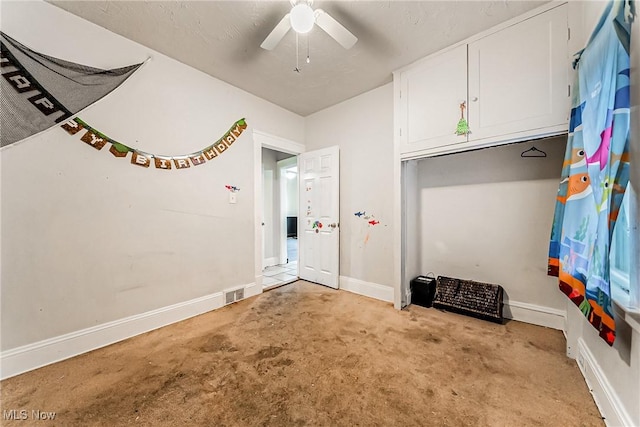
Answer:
(533, 152)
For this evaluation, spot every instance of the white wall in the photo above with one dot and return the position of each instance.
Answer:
(363, 128)
(88, 238)
(291, 205)
(485, 215)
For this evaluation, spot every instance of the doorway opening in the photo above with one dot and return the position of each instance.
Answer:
(280, 218)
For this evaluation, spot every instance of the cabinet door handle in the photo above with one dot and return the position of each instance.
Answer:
(474, 99)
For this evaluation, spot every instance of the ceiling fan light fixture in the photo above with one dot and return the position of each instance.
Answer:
(302, 18)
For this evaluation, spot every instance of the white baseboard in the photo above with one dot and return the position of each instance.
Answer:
(606, 399)
(368, 289)
(269, 262)
(18, 360)
(535, 314)
(253, 289)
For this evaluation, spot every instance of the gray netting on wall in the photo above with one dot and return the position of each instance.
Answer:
(38, 91)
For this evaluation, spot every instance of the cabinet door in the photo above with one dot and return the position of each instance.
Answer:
(518, 77)
(430, 98)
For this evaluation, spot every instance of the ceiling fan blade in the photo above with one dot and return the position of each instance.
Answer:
(335, 29)
(277, 33)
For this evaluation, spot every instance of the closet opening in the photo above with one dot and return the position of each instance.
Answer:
(486, 216)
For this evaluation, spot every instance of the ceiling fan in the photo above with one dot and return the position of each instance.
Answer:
(301, 18)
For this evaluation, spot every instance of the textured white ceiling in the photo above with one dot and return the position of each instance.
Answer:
(222, 38)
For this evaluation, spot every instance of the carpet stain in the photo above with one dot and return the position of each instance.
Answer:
(215, 343)
(306, 355)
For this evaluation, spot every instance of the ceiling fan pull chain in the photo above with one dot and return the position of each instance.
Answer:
(297, 69)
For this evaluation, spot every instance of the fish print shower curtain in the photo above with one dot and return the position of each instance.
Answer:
(595, 172)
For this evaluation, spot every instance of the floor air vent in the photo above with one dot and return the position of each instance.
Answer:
(233, 296)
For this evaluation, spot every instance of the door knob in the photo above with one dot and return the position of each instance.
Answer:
(334, 225)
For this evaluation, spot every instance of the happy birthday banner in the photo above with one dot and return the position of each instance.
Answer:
(98, 140)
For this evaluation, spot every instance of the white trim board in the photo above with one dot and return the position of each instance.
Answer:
(270, 262)
(519, 311)
(488, 142)
(604, 395)
(535, 314)
(277, 143)
(368, 289)
(36, 355)
(253, 289)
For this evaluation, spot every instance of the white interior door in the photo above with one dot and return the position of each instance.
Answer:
(319, 213)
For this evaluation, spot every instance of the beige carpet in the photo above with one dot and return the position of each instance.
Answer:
(304, 354)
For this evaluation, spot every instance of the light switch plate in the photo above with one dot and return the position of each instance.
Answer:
(232, 198)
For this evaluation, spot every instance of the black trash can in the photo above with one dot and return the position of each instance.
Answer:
(423, 289)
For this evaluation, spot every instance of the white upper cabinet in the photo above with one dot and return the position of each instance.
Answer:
(518, 77)
(513, 79)
(431, 94)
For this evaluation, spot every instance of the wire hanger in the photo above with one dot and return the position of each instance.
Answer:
(533, 152)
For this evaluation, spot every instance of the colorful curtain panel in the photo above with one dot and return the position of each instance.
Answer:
(39, 91)
(595, 171)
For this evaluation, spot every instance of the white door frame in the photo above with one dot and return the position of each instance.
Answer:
(265, 140)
